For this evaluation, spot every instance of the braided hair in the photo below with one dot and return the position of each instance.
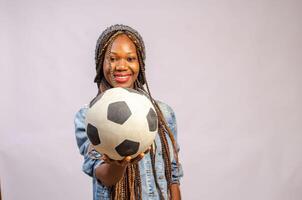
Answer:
(129, 187)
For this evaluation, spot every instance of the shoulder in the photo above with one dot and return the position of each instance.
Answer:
(169, 116)
(167, 111)
(81, 114)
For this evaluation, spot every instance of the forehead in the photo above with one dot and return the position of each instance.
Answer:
(122, 43)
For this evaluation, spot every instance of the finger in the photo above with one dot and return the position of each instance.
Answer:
(104, 157)
(147, 151)
(138, 158)
(141, 155)
(125, 161)
(107, 159)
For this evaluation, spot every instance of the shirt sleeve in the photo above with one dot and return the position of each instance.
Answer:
(91, 157)
(177, 171)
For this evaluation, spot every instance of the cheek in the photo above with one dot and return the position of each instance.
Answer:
(135, 68)
(106, 71)
(106, 67)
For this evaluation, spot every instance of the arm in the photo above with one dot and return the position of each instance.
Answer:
(112, 171)
(109, 174)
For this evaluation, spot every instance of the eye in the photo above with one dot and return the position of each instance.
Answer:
(112, 59)
(131, 59)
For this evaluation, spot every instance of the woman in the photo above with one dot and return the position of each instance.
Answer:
(120, 56)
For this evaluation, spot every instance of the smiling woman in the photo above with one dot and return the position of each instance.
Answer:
(155, 174)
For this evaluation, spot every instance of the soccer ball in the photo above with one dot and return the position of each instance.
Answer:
(121, 122)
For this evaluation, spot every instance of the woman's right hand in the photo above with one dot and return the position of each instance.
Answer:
(125, 161)
(112, 171)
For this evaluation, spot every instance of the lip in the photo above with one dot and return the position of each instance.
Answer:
(121, 77)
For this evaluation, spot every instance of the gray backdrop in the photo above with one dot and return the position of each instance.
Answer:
(230, 69)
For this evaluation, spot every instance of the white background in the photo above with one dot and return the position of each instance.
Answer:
(230, 69)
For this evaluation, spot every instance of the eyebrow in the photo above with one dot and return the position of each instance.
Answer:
(117, 53)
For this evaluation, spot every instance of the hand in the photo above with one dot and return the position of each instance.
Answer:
(127, 160)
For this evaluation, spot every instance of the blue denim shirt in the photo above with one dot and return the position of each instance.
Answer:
(149, 190)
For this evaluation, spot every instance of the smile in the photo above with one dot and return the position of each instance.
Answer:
(122, 78)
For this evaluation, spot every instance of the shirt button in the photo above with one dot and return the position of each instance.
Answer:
(161, 177)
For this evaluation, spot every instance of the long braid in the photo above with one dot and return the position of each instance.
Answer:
(138, 190)
(129, 187)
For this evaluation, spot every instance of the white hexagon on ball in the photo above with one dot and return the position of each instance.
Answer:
(121, 122)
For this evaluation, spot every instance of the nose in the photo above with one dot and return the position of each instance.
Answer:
(121, 65)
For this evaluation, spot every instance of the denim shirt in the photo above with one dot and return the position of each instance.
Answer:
(149, 190)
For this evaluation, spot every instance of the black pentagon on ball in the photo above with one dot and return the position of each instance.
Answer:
(93, 135)
(127, 148)
(118, 112)
(152, 120)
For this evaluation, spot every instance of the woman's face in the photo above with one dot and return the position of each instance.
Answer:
(122, 67)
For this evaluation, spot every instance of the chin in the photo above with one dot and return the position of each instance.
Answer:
(124, 85)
